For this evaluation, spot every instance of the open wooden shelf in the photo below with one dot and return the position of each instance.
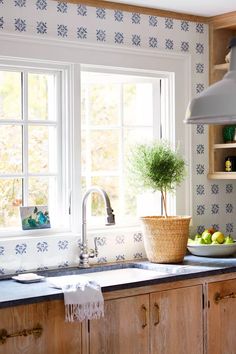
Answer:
(225, 146)
(221, 29)
(224, 66)
(222, 175)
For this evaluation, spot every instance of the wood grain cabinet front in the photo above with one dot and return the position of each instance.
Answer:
(38, 329)
(170, 319)
(177, 321)
(221, 317)
(165, 322)
(124, 329)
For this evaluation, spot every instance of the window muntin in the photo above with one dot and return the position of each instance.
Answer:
(118, 110)
(30, 137)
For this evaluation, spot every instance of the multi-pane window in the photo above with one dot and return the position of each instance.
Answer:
(118, 110)
(29, 141)
(39, 140)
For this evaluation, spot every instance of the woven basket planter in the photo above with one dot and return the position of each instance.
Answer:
(165, 239)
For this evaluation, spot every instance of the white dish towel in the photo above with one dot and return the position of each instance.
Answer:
(82, 297)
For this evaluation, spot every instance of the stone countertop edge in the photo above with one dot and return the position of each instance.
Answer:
(13, 293)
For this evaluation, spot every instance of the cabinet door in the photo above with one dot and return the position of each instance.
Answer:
(57, 336)
(177, 321)
(124, 329)
(221, 317)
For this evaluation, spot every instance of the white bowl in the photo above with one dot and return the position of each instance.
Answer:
(223, 250)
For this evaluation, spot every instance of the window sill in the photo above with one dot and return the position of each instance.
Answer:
(16, 234)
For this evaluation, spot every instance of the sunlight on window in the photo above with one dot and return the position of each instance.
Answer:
(11, 149)
(28, 142)
(117, 112)
(11, 199)
(40, 97)
(10, 95)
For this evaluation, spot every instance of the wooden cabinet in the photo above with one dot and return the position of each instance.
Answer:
(177, 321)
(57, 336)
(125, 328)
(222, 28)
(164, 322)
(221, 317)
(161, 319)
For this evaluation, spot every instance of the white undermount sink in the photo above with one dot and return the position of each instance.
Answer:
(125, 275)
(122, 273)
(112, 277)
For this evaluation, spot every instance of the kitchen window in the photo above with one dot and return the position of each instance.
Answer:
(64, 127)
(119, 109)
(31, 147)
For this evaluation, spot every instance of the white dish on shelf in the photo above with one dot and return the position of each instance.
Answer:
(223, 250)
(28, 278)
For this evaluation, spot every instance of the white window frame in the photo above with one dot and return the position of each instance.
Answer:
(160, 114)
(63, 129)
(70, 56)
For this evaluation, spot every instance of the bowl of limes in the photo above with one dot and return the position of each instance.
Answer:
(212, 243)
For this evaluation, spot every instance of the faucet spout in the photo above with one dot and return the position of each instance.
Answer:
(85, 254)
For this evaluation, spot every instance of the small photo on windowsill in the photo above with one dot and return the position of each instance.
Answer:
(35, 217)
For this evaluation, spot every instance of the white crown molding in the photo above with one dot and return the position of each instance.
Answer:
(17, 39)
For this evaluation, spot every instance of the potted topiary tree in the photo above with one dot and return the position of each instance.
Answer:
(157, 167)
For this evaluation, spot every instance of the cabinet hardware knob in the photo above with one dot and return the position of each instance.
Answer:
(157, 314)
(36, 331)
(218, 297)
(145, 316)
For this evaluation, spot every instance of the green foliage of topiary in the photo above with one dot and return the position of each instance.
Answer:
(158, 167)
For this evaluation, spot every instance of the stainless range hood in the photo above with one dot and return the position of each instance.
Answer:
(217, 104)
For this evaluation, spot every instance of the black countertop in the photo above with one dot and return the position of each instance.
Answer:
(13, 293)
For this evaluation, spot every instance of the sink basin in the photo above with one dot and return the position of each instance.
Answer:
(126, 275)
(110, 277)
(123, 273)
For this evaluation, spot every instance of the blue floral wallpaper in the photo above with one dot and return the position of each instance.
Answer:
(38, 253)
(213, 201)
(83, 23)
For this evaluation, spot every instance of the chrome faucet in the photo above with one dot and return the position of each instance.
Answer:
(85, 254)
